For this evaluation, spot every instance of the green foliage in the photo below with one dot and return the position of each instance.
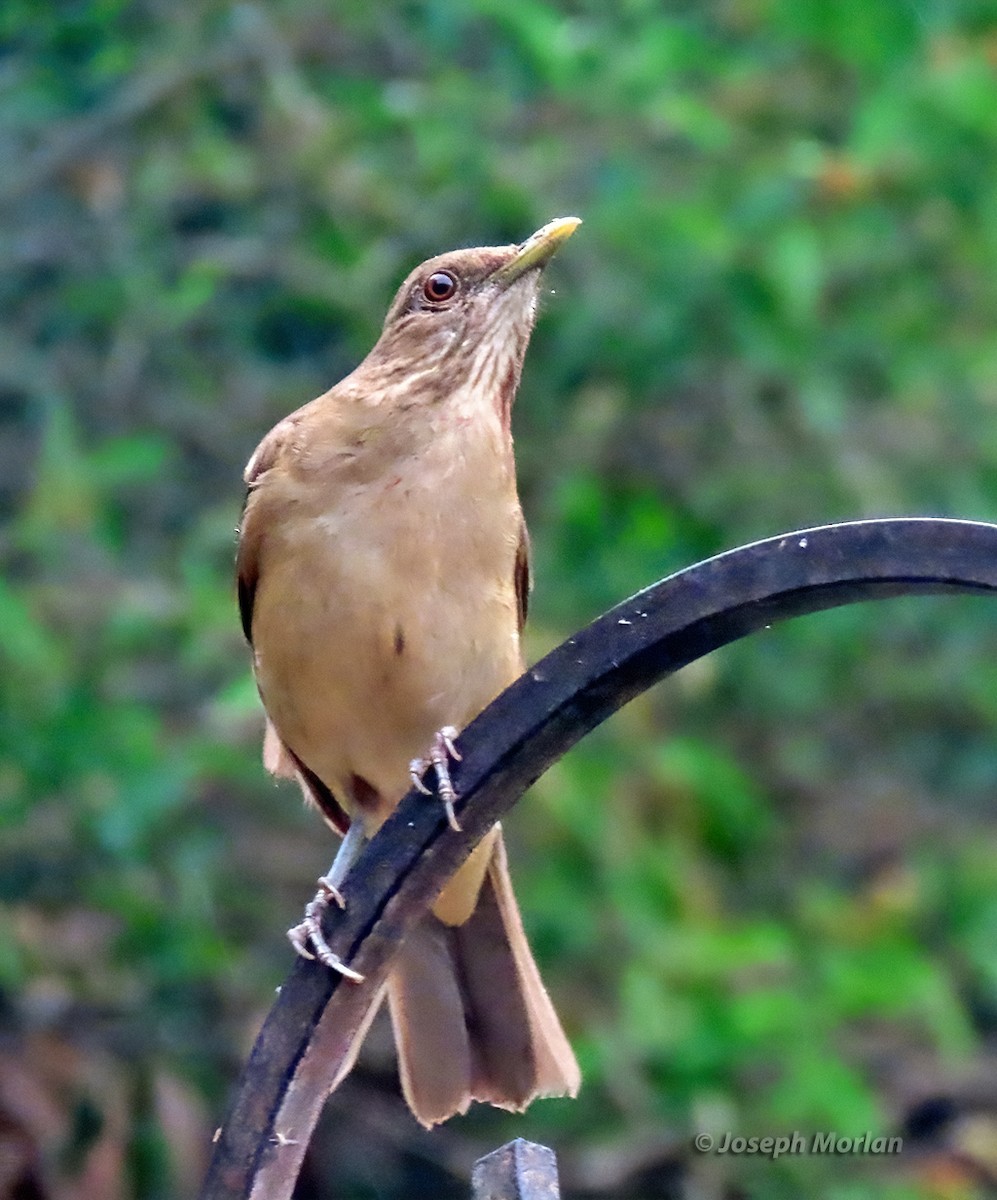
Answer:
(764, 896)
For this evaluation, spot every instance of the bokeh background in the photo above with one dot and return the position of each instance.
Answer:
(765, 895)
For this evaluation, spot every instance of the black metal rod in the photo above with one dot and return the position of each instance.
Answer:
(304, 1042)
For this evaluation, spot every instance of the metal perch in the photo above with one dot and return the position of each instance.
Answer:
(302, 1049)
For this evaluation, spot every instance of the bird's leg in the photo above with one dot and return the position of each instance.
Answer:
(440, 753)
(307, 938)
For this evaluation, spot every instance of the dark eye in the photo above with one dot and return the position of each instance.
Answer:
(440, 286)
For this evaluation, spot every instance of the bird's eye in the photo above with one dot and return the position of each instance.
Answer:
(440, 286)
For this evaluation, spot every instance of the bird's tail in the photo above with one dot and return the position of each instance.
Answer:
(472, 1018)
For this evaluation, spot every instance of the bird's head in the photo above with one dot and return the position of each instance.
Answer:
(465, 318)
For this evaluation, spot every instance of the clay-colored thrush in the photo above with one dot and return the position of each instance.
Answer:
(383, 576)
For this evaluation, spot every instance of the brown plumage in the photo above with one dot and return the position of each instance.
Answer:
(383, 575)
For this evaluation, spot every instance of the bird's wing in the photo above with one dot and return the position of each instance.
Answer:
(523, 574)
(252, 527)
(278, 758)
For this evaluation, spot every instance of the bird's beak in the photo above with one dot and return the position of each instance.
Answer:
(537, 250)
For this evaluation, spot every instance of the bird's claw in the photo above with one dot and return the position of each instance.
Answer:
(307, 937)
(440, 753)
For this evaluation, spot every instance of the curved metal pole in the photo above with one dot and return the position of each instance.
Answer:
(303, 1048)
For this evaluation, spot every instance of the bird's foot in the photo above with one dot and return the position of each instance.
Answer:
(439, 756)
(309, 940)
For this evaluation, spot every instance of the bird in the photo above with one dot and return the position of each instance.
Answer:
(383, 573)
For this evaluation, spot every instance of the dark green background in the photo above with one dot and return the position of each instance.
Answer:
(765, 895)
